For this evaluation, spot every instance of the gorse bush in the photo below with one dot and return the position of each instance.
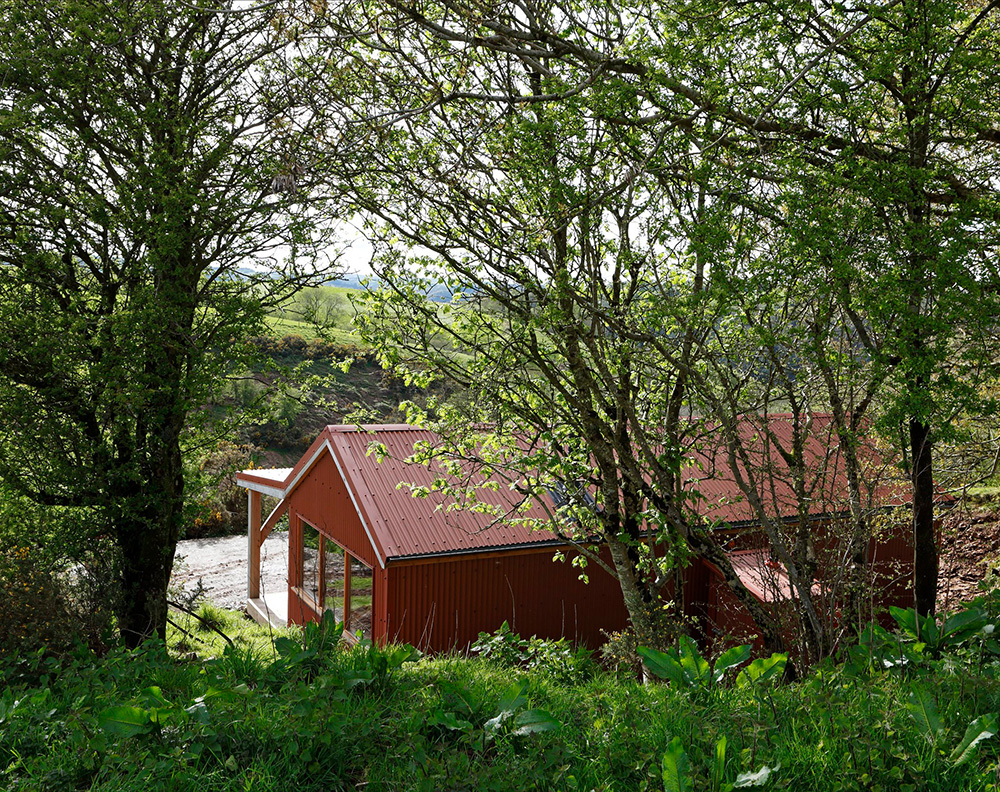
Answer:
(34, 614)
(217, 506)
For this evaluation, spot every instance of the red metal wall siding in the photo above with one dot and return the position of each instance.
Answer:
(891, 560)
(323, 500)
(892, 566)
(728, 623)
(380, 606)
(445, 603)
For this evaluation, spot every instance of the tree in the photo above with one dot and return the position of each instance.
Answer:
(880, 126)
(493, 173)
(875, 124)
(152, 208)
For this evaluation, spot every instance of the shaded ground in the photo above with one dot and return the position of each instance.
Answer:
(221, 564)
(970, 549)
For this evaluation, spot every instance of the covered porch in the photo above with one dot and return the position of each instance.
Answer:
(264, 605)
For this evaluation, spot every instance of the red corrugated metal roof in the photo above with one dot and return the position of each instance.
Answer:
(765, 579)
(401, 525)
(413, 526)
(711, 474)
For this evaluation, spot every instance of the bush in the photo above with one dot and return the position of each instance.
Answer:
(53, 606)
(559, 659)
(218, 506)
(620, 652)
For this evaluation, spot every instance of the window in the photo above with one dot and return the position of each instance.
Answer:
(330, 575)
(345, 577)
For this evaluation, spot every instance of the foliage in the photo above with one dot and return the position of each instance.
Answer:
(320, 714)
(142, 169)
(922, 643)
(954, 631)
(217, 506)
(679, 777)
(581, 294)
(51, 602)
(557, 659)
(687, 669)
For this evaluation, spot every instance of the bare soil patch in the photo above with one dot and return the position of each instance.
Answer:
(221, 565)
(970, 550)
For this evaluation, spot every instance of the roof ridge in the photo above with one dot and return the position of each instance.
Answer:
(373, 428)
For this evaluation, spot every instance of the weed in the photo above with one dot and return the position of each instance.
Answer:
(313, 713)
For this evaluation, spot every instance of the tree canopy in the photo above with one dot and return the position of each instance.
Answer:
(647, 202)
(151, 209)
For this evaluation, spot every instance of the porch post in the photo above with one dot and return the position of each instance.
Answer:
(347, 591)
(253, 545)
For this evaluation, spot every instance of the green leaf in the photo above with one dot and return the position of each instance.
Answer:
(762, 669)
(907, 620)
(199, 712)
(732, 657)
(676, 768)
(450, 721)
(125, 721)
(513, 697)
(286, 647)
(924, 712)
(929, 631)
(759, 778)
(663, 665)
(534, 720)
(696, 667)
(153, 697)
(962, 626)
(982, 728)
(719, 772)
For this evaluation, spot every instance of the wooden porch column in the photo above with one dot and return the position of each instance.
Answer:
(347, 590)
(253, 545)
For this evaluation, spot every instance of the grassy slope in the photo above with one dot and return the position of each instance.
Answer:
(331, 305)
(346, 719)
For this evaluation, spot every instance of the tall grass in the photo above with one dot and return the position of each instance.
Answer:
(292, 711)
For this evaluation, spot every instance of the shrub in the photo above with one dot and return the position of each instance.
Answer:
(53, 606)
(218, 506)
(620, 652)
(559, 659)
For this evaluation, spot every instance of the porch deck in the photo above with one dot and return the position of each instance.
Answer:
(273, 610)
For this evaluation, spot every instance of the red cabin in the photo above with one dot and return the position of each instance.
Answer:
(402, 568)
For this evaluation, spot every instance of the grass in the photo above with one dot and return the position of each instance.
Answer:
(331, 307)
(986, 493)
(192, 635)
(293, 710)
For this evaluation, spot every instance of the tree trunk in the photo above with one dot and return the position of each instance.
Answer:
(147, 535)
(925, 559)
(633, 594)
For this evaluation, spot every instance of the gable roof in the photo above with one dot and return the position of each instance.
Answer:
(403, 526)
(399, 524)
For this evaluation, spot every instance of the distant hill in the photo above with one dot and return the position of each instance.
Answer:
(352, 280)
(438, 293)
